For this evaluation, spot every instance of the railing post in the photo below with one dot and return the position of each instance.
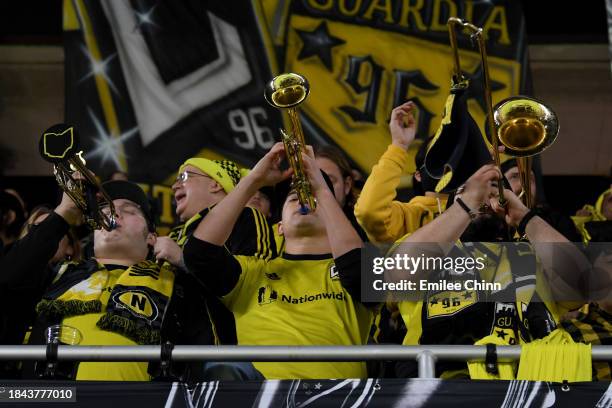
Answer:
(427, 364)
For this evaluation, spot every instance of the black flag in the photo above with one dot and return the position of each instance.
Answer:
(458, 148)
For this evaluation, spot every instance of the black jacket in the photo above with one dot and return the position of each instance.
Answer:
(24, 274)
(251, 236)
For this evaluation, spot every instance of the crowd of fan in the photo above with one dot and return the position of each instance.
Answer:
(246, 266)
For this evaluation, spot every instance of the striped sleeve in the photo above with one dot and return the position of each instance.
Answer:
(252, 236)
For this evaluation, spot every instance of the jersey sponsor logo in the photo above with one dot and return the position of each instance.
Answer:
(333, 272)
(313, 298)
(138, 303)
(266, 295)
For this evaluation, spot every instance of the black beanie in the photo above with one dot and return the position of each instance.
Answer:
(507, 165)
(127, 190)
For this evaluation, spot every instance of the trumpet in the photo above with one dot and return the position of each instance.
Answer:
(286, 92)
(59, 146)
(523, 125)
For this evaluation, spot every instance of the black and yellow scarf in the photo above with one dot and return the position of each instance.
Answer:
(180, 233)
(134, 305)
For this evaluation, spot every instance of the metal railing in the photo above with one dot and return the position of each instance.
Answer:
(426, 356)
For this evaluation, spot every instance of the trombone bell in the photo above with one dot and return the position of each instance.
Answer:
(525, 126)
(522, 134)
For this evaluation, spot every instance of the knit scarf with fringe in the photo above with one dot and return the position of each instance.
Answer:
(133, 306)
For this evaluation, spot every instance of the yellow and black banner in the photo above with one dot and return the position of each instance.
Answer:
(364, 57)
(151, 83)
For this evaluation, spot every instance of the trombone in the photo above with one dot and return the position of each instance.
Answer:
(58, 145)
(523, 125)
(286, 92)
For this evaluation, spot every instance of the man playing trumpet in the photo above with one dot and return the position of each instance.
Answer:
(109, 298)
(309, 295)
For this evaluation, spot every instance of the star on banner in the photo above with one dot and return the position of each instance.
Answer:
(318, 43)
(108, 148)
(99, 68)
(145, 18)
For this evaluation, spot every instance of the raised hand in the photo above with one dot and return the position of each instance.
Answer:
(402, 125)
(267, 171)
(514, 209)
(166, 249)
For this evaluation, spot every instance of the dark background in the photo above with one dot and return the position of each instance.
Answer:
(39, 22)
(548, 21)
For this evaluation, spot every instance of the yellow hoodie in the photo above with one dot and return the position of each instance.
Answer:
(382, 217)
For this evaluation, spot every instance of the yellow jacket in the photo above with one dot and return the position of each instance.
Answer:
(383, 218)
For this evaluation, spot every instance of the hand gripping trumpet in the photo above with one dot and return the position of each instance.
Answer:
(59, 145)
(286, 92)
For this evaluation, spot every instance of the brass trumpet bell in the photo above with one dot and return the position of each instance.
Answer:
(287, 90)
(525, 126)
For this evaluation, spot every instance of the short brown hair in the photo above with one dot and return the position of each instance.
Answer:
(338, 157)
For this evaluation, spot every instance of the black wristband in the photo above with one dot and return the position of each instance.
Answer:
(467, 209)
(523, 224)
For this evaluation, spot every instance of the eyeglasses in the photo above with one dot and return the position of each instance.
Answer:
(184, 175)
